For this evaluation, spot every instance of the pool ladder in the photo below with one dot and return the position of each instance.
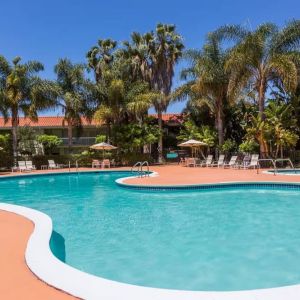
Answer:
(138, 167)
(274, 161)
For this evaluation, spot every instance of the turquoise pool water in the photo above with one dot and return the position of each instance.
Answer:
(288, 172)
(225, 239)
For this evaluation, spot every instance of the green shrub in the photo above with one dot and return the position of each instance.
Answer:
(49, 142)
(229, 146)
(100, 138)
(249, 146)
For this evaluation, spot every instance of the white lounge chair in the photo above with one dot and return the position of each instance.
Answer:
(220, 161)
(22, 166)
(245, 162)
(29, 165)
(232, 163)
(52, 164)
(253, 162)
(208, 162)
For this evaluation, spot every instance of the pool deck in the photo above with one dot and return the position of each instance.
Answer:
(179, 175)
(18, 282)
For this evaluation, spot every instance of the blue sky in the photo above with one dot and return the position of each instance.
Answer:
(48, 30)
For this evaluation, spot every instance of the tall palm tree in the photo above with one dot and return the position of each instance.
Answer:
(208, 81)
(263, 58)
(122, 94)
(165, 52)
(154, 56)
(75, 96)
(101, 57)
(22, 91)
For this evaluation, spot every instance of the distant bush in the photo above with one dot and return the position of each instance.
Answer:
(249, 146)
(229, 146)
(49, 142)
(100, 138)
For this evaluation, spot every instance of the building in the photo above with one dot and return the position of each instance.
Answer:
(55, 125)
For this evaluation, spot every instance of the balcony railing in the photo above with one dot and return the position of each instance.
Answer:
(81, 141)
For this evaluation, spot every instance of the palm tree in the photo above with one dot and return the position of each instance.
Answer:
(22, 91)
(154, 56)
(75, 95)
(282, 123)
(263, 58)
(101, 57)
(208, 85)
(122, 94)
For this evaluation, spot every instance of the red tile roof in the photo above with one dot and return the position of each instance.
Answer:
(50, 121)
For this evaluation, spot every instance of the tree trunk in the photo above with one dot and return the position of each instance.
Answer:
(70, 135)
(261, 98)
(160, 141)
(261, 109)
(14, 124)
(219, 123)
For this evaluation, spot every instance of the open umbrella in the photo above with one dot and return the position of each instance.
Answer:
(103, 146)
(194, 144)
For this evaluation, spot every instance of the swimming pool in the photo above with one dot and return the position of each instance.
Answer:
(285, 171)
(231, 238)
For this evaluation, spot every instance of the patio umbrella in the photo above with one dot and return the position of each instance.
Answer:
(194, 144)
(103, 146)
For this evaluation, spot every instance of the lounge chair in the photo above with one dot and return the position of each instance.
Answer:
(105, 163)
(232, 163)
(253, 162)
(29, 165)
(22, 166)
(208, 162)
(53, 165)
(245, 162)
(96, 163)
(220, 161)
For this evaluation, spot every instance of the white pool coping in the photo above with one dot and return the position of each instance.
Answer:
(42, 262)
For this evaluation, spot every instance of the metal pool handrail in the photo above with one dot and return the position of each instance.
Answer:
(139, 165)
(274, 161)
(285, 159)
(145, 163)
(266, 159)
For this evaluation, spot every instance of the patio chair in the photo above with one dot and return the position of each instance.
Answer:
(52, 164)
(220, 161)
(96, 163)
(29, 165)
(232, 163)
(190, 162)
(22, 166)
(253, 162)
(105, 163)
(113, 162)
(208, 162)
